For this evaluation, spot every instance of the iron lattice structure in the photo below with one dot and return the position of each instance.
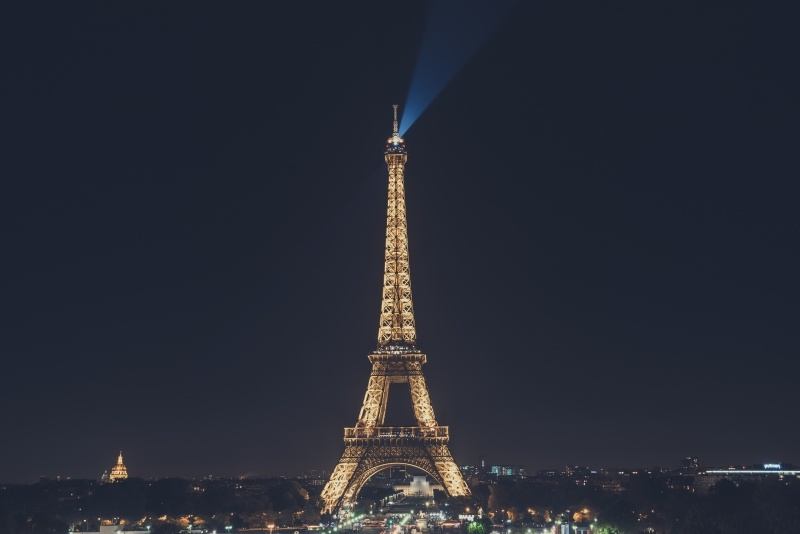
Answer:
(370, 446)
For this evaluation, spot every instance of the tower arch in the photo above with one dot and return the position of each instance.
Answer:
(351, 495)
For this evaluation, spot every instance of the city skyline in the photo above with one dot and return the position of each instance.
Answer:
(118, 471)
(601, 206)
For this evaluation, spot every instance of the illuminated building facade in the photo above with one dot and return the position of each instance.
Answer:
(507, 471)
(371, 447)
(705, 480)
(418, 487)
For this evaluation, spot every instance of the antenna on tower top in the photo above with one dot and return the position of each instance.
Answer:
(394, 123)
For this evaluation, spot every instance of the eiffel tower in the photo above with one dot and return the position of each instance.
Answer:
(369, 446)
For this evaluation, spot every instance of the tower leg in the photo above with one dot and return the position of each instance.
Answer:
(373, 410)
(341, 477)
(449, 473)
(423, 410)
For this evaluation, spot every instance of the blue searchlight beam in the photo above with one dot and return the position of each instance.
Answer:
(455, 30)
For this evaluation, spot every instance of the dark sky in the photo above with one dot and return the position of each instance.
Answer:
(603, 224)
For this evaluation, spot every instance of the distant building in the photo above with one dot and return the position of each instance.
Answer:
(114, 529)
(315, 477)
(418, 487)
(469, 470)
(611, 485)
(690, 465)
(567, 528)
(507, 470)
(119, 471)
(708, 478)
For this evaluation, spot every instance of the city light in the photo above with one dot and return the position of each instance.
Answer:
(790, 472)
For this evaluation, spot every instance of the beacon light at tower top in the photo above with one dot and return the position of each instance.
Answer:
(395, 144)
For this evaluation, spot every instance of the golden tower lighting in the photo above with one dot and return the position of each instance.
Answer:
(371, 447)
(119, 471)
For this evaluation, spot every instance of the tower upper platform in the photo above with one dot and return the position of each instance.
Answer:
(395, 144)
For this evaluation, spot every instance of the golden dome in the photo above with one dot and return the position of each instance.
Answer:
(119, 471)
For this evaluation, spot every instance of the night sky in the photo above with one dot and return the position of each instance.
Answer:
(602, 215)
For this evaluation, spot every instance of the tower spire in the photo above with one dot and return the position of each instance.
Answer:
(397, 310)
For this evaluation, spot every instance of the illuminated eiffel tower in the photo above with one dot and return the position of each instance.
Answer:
(371, 447)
